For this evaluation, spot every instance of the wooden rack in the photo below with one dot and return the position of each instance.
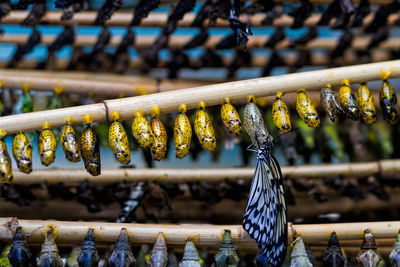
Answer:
(319, 171)
(156, 19)
(211, 94)
(178, 41)
(203, 235)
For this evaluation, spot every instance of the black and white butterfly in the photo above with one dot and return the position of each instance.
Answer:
(265, 218)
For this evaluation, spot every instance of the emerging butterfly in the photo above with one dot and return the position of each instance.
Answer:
(265, 218)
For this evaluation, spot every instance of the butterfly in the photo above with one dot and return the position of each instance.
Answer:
(265, 218)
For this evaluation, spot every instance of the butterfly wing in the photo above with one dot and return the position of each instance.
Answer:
(275, 249)
(261, 213)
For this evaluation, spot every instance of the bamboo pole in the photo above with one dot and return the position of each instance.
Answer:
(157, 19)
(318, 171)
(203, 235)
(91, 83)
(211, 94)
(178, 41)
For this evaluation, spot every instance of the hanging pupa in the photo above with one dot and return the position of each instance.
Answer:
(141, 130)
(330, 103)
(227, 255)
(280, 114)
(122, 255)
(73, 256)
(5, 160)
(24, 103)
(299, 256)
(69, 141)
(159, 254)
(203, 128)
(368, 256)
(118, 140)
(395, 254)
(4, 261)
(333, 254)
(306, 110)
(388, 99)
(47, 144)
(88, 256)
(254, 123)
(49, 254)
(90, 147)
(182, 133)
(190, 256)
(230, 117)
(366, 104)
(55, 100)
(22, 151)
(19, 255)
(159, 146)
(348, 100)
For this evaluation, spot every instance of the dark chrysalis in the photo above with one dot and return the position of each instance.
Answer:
(88, 256)
(19, 255)
(368, 254)
(106, 11)
(198, 40)
(22, 50)
(203, 14)
(363, 9)
(67, 37)
(333, 254)
(5, 8)
(278, 36)
(227, 255)
(35, 15)
(122, 255)
(142, 10)
(301, 13)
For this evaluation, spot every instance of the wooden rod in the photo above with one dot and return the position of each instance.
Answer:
(318, 171)
(157, 19)
(203, 235)
(178, 41)
(96, 83)
(211, 94)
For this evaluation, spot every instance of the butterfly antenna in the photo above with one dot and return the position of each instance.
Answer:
(279, 135)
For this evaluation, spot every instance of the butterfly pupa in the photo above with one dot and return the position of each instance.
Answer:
(5, 160)
(388, 99)
(69, 141)
(88, 256)
(395, 254)
(306, 110)
(190, 256)
(118, 140)
(330, 103)
(20, 255)
(159, 145)
(368, 256)
(47, 144)
(254, 123)
(22, 151)
(333, 254)
(122, 253)
(280, 114)
(182, 133)
(230, 117)
(366, 104)
(299, 256)
(141, 130)
(227, 255)
(204, 129)
(49, 254)
(159, 253)
(348, 100)
(90, 147)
